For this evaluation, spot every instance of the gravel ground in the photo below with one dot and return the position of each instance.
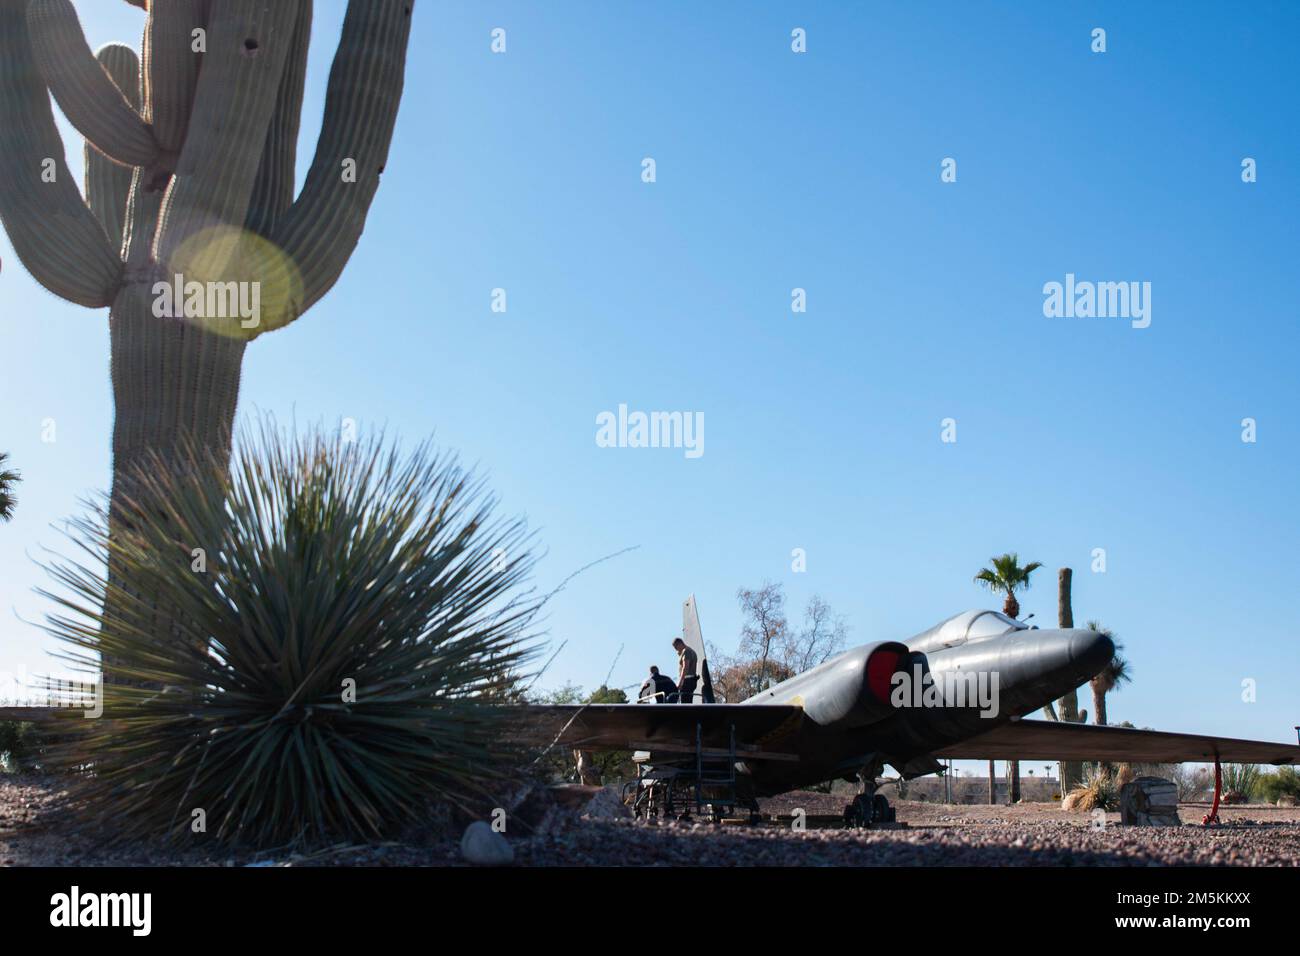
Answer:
(37, 828)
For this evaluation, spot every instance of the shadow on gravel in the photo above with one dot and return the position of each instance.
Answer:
(600, 843)
(37, 828)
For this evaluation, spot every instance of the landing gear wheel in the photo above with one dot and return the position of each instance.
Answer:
(882, 812)
(851, 818)
(868, 809)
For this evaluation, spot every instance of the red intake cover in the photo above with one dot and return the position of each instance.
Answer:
(880, 669)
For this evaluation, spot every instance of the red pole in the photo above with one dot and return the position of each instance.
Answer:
(1213, 815)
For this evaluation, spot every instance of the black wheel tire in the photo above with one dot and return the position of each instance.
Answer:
(858, 813)
(881, 811)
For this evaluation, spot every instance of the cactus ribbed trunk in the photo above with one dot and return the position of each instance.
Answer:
(1071, 771)
(175, 391)
(173, 382)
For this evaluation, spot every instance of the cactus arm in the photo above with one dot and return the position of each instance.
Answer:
(273, 192)
(84, 91)
(122, 65)
(51, 228)
(203, 214)
(108, 184)
(171, 77)
(321, 229)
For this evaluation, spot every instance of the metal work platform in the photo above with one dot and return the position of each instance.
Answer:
(676, 780)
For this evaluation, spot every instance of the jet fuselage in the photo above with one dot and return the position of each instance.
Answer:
(897, 703)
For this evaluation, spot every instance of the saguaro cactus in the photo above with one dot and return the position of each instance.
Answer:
(189, 180)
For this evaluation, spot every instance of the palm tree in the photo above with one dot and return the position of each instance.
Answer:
(1117, 672)
(1006, 575)
(7, 481)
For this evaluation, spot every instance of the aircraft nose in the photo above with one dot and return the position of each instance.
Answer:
(1053, 662)
(1088, 650)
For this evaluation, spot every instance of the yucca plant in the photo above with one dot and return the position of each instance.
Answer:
(1099, 790)
(1117, 672)
(314, 644)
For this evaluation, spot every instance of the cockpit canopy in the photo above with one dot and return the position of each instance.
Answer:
(975, 625)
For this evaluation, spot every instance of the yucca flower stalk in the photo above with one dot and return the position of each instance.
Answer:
(316, 644)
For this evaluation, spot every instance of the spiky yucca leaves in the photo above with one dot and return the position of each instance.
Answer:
(312, 567)
(1099, 791)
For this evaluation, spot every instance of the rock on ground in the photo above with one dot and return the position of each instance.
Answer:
(483, 846)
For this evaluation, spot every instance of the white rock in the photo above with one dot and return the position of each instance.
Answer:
(484, 846)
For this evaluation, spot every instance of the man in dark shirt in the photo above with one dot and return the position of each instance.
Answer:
(687, 676)
(658, 687)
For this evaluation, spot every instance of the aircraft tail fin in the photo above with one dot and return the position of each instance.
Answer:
(694, 639)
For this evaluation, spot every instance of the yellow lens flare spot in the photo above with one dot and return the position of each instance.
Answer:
(230, 281)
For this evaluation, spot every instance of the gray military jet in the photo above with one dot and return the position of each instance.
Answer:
(958, 690)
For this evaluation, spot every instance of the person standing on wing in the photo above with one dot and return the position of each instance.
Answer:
(687, 676)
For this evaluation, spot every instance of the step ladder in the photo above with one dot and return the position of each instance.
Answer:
(715, 776)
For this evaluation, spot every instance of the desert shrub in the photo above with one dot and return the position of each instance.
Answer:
(1284, 782)
(1202, 783)
(339, 658)
(18, 745)
(1242, 779)
(1189, 783)
(1097, 792)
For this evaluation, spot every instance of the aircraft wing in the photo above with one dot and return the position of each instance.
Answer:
(663, 726)
(1052, 740)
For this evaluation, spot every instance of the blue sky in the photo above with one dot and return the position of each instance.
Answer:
(778, 170)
